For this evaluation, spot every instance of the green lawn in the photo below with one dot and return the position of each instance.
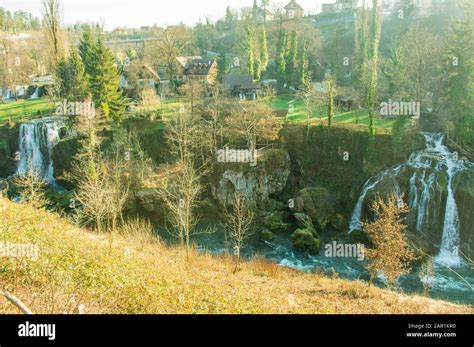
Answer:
(356, 117)
(22, 110)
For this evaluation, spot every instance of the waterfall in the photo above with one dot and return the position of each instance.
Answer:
(355, 223)
(35, 95)
(36, 141)
(422, 206)
(449, 251)
(431, 167)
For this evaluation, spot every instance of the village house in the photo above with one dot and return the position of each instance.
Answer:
(293, 10)
(418, 8)
(197, 68)
(339, 6)
(146, 78)
(241, 85)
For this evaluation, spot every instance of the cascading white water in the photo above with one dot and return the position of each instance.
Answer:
(36, 141)
(355, 223)
(431, 166)
(449, 251)
(35, 95)
(422, 205)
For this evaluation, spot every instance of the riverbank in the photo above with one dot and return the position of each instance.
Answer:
(76, 270)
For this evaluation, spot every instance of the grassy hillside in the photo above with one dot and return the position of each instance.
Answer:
(355, 118)
(132, 274)
(23, 110)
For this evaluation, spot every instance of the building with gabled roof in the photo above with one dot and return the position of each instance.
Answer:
(197, 68)
(294, 10)
(241, 85)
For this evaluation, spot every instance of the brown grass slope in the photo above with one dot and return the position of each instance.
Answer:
(79, 271)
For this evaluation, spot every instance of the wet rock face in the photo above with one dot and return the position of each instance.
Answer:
(256, 183)
(465, 198)
(63, 155)
(8, 147)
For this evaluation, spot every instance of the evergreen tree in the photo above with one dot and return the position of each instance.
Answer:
(222, 65)
(460, 93)
(105, 82)
(72, 78)
(281, 57)
(292, 57)
(263, 48)
(303, 64)
(331, 92)
(373, 57)
(86, 45)
(395, 72)
(361, 48)
(249, 46)
(257, 70)
(255, 11)
(229, 17)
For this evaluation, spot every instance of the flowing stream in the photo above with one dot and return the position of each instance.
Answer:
(428, 178)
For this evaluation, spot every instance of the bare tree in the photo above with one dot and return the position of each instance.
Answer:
(239, 221)
(171, 44)
(52, 20)
(180, 195)
(32, 188)
(102, 186)
(191, 139)
(312, 102)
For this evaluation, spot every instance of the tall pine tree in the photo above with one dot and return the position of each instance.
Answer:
(250, 51)
(292, 57)
(460, 93)
(303, 74)
(105, 82)
(86, 44)
(373, 60)
(281, 57)
(72, 78)
(263, 48)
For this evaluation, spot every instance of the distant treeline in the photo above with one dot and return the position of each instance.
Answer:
(17, 21)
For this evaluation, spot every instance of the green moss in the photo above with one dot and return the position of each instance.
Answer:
(316, 203)
(304, 240)
(266, 235)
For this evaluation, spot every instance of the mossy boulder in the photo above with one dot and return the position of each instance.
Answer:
(304, 222)
(316, 203)
(275, 221)
(266, 235)
(304, 240)
(274, 216)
